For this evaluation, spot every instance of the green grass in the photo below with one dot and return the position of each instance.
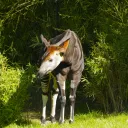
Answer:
(90, 120)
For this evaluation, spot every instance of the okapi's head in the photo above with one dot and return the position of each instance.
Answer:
(53, 56)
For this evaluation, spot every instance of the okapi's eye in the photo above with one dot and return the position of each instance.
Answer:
(50, 60)
(61, 53)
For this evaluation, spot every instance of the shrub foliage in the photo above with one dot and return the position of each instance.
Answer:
(107, 65)
(13, 90)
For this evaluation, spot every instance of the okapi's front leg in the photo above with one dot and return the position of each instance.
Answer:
(63, 101)
(44, 100)
(72, 97)
(55, 92)
(61, 82)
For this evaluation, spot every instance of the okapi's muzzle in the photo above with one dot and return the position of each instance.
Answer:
(40, 75)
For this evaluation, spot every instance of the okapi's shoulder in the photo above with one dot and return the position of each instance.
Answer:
(63, 68)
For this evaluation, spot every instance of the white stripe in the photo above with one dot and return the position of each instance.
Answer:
(44, 112)
(54, 98)
(71, 113)
(63, 111)
(62, 84)
(71, 96)
(45, 99)
(72, 84)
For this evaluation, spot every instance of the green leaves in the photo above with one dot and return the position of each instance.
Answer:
(14, 83)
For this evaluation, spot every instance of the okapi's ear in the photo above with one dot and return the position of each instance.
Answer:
(44, 40)
(64, 46)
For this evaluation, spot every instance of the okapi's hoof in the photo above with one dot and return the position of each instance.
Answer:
(61, 121)
(43, 121)
(71, 121)
(52, 119)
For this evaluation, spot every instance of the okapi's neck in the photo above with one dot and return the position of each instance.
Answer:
(68, 56)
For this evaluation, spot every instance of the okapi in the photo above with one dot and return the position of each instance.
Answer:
(64, 58)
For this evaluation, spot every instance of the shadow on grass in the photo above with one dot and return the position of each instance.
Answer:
(23, 122)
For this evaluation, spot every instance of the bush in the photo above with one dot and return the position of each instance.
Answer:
(13, 90)
(107, 75)
(107, 68)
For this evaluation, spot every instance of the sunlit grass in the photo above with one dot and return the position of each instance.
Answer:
(90, 120)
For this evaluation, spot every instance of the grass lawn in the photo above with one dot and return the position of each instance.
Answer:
(90, 120)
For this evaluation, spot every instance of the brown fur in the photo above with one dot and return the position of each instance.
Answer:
(52, 49)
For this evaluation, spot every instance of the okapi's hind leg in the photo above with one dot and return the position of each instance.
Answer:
(45, 89)
(72, 97)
